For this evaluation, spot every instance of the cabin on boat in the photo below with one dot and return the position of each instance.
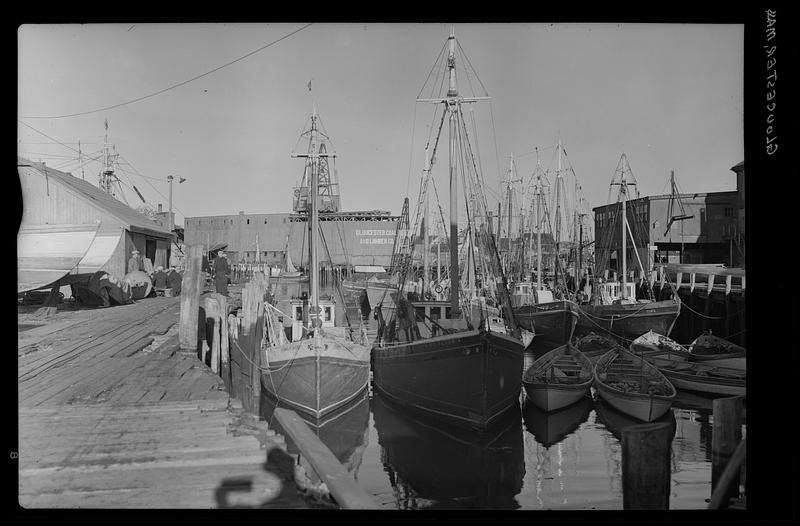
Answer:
(301, 312)
(70, 229)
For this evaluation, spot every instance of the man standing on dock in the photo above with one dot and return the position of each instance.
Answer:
(221, 269)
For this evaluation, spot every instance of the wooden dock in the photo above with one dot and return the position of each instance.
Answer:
(112, 415)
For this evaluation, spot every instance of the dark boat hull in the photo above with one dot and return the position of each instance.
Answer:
(552, 323)
(469, 378)
(627, 322)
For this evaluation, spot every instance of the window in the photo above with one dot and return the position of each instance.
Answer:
(298, 313)
(327, 314)
(248, 221)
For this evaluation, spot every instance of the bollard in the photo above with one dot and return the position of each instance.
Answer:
(192, 285)
(646, 450)
(726, 433)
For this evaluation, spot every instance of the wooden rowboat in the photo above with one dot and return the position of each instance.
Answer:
(705, 378)
(659, 349)
(594, 345)
(711, 349)
(559, 378)
(632, 385)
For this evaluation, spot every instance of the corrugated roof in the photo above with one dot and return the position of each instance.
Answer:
(134, 220)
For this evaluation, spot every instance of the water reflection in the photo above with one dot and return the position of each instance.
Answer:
(434, 466)
(551, 428)
(345, 432)
(616, 421)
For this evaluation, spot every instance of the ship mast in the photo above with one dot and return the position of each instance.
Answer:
(425, 228)
(314, 157)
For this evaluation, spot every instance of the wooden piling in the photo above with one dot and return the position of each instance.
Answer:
(729, 478)
(249, 341)
(646, 452)
(726, 433)
(213, 318)
(224, 351)
(191, 287)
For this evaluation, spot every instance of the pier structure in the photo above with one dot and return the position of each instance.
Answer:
(713, 299)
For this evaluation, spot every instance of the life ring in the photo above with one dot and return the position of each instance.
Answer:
(438, 289)
(297, 192)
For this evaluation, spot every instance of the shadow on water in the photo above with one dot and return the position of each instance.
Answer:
(551, 428)
(432, 466)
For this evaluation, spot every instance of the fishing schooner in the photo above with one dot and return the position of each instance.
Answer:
(447, 358)
(613, 309)
(552, 318)
(324, 368)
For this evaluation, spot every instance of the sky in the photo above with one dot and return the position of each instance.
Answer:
(668, 96)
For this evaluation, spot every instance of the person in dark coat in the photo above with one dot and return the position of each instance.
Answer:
(221, 269)
(366, 308)
(174, 280)
(160, 278)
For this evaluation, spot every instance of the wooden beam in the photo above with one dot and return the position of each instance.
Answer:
(340, 483)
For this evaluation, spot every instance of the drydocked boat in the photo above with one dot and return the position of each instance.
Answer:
(711, 349)
(560, 378)
(324, 367)
(632, 385)
(449, 359)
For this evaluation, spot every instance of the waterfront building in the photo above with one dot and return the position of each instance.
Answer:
(70, 229)
(712, 230)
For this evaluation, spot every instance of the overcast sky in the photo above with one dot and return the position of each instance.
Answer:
(669, 96)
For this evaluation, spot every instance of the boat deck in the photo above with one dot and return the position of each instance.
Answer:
(113, 415)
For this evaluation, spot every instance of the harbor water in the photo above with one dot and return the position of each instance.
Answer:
(566, 460)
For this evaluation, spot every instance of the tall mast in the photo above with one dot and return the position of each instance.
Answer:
(314, 156)
(452, 106)
(425, 227)
(539, 197)
(624, 192)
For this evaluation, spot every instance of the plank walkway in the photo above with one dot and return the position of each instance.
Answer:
(113, 415)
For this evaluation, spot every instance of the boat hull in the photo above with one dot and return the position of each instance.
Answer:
(707, 384)
(558, 379)
(642, 407)
(621, 365)
(312, 385)
(549, 397)
(628, 321)
(552, 323)
(469, 378)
